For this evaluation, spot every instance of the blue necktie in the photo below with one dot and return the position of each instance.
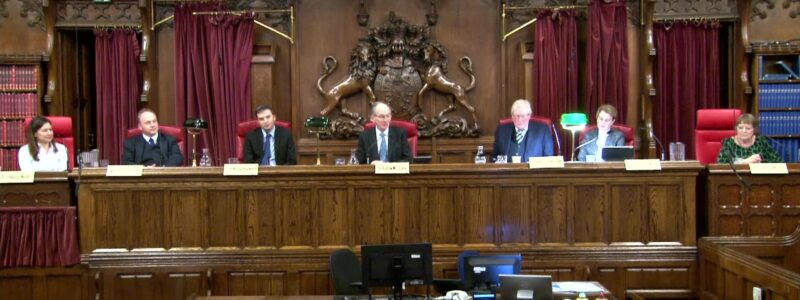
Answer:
(382, 152)
(520, 136)
(151, 142)
(267, 150)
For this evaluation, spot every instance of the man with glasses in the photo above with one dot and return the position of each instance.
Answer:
(383, 143)
(522, 138)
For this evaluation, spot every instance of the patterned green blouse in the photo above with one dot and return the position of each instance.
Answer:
(761, 146)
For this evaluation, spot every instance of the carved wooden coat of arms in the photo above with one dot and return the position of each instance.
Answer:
(398, 63)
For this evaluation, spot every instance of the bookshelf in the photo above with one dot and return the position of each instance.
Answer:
(777, 97)
(20, 91)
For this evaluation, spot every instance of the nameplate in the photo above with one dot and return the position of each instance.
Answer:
(546, 162)
(769, 168)
(124, 170)
(16, 177)
(642, 165)
(240, 170)
(392, 168)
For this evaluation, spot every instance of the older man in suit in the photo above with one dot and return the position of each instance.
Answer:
(522, 137)
(269, 145)
(152, 148)
(384, 143)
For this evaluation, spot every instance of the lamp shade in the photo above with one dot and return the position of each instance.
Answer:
(195, 123)
(574, 121)
(317, 122)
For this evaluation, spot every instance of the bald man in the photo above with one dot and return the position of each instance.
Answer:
(384, 143)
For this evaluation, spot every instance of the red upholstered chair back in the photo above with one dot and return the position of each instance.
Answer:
(713, 125)
(62, 133)
(245, 127)
(539, 119)
(176, 132)
(411, 132)
(626, 130)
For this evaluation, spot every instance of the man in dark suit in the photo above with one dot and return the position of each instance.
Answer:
(269, 145)
(383, 143)
(152, 148)
(523, 137)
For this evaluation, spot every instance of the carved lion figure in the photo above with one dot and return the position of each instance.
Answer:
(434, 77)
(361, 74)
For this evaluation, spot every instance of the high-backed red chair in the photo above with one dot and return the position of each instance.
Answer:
(626, 130)
(176, 132)
(62, 133)
(411, 132)
(543, 120)
(243, 128)
(713, 125)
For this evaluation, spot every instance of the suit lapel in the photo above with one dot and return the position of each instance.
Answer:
(277, 145)
(140, 147)
(373, 140)
(162, 146)
(259, 143)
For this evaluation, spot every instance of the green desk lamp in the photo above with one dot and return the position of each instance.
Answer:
(195, 126)
(574, 122)
(317, 125)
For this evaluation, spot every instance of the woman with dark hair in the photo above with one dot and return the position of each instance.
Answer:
(746, 147)
(41, 154)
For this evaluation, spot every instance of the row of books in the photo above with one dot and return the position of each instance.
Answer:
(12, 133)
(15, 105)
(19, 77)
(780, 122)
(779, 95)
(8, 160)
(788, 148)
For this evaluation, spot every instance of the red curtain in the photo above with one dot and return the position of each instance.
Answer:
(212, 73)
(607, 57)
(118, 88)
(38, 237)
(688, 78)
(555, 65)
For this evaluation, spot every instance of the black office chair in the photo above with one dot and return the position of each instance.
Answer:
(346, 272)
(443, 286)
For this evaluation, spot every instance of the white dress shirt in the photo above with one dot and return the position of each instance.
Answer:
(49, 161)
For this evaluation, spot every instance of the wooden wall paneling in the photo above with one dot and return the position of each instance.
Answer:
(133, 285)
(147, 215)
(373, 216)
(164, 48)
(183, 284)
(48, 189)
(315, 283)
(113, 208)
(44, 283)
(335, 217)
(226, 216)
(17, 287)
(261, 218)
(186, 218)
(550, 210)
(441, 215)
(590, 206)
(262, 282)
(408, 219)
(628, 220)
(789, 215)
(665, 220)
(478, 215)
(513, 207)
(298, 218)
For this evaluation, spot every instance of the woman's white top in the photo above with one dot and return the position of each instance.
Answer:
(49, 161)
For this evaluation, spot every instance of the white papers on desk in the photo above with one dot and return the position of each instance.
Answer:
(576, 287)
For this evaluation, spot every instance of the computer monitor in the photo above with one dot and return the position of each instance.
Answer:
(526, 287)
(393, 265)
(617, 153)
(482, 272)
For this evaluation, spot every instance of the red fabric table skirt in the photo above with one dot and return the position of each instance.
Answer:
(38, 237)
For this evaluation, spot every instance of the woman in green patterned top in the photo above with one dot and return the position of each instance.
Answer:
(745, 147)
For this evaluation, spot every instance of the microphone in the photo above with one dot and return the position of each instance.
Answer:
(735, 172)
(581, 146)
(558, 140)
(655, 138)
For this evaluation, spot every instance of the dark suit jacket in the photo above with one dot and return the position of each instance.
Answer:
(399, 150)
(284, 147)
(538, 140)
(615, 138)
(133, 149)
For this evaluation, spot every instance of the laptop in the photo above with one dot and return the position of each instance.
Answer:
(421, 160)
(526, 287)
(617, 153)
